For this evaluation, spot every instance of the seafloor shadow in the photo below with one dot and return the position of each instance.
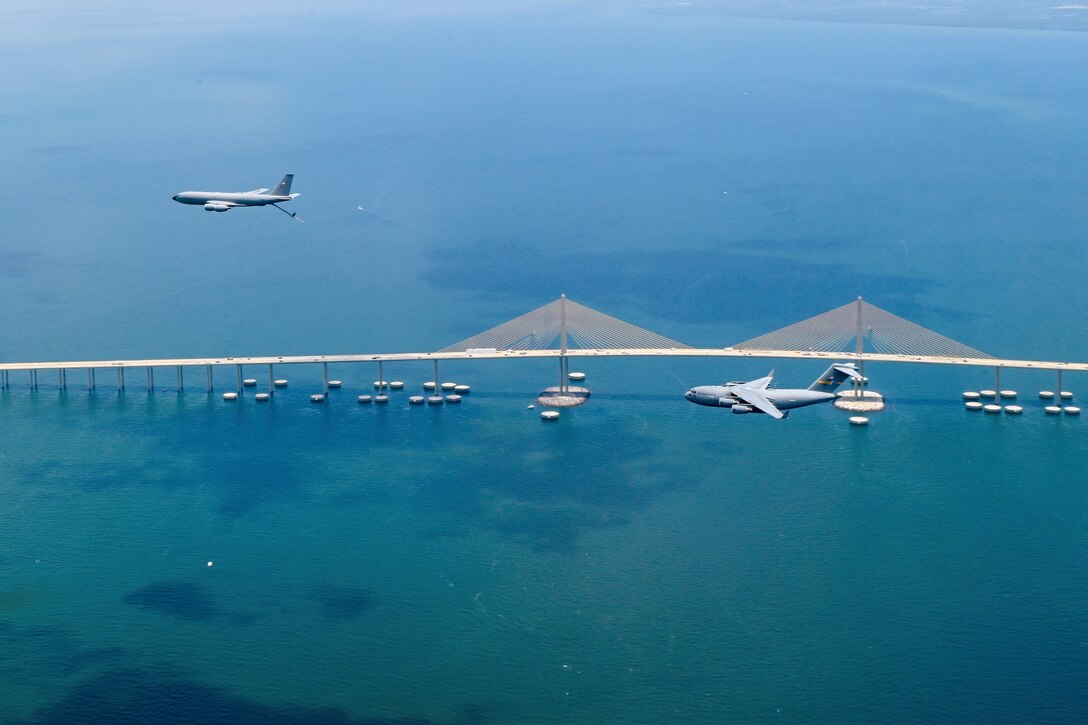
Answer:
(342, 602)
(139, 696)
(179, 599)
(30, 652)
(545, 493)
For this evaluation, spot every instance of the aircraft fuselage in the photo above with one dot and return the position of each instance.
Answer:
(721, 396)
(230, 198)
(227, 200)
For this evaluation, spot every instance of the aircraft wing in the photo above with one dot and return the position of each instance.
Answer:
(757, 399)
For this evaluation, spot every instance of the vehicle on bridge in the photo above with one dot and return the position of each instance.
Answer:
(757, 396)
(227, 200)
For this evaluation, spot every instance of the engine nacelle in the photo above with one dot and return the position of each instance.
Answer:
(742, 409)
(212, 206)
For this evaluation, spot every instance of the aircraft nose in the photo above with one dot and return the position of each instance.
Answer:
(174, 197)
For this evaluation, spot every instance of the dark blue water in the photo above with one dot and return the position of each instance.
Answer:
(641, 560)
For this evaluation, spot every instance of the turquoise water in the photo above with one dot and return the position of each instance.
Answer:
(643, 560)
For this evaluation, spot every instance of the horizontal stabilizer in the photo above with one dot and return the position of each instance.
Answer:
(849, 370)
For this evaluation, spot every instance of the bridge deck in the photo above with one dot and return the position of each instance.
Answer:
(574, 353)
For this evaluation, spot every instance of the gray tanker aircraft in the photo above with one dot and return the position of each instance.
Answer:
(757, 396)
(227, 200)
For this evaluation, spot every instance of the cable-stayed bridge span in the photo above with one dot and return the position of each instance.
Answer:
(565, 329)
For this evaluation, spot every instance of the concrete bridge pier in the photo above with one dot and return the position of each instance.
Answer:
(181, 381)
(209, 379)
(4, 380)
(238, 379)
(120, 379)
(563, 365)
(271, 379)
(62, 379)
(33, 379)
(90, 379)
(325, 377)
(150, 379)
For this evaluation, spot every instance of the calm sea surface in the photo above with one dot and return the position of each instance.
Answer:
(171, 557)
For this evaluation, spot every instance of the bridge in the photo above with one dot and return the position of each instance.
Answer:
(565, 329)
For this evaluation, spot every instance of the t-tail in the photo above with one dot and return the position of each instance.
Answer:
(284, 187)
(834, 376)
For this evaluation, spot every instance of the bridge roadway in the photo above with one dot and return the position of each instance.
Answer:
(515, 354)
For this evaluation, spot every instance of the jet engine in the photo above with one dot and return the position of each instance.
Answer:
(212, 206)
(742, 409)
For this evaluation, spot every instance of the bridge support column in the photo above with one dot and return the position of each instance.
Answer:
(437, 383)
(150, 378)
(238, 379)
(325, 377)
(381, 380)
(62, 374)
(209, 378)
(181, 381)
(1059, 386)
(4, 380)
(120, 379)
(271, 379)
(859, 345)
(562, 344)
(90, 378)
(33, 379)
(997, 381)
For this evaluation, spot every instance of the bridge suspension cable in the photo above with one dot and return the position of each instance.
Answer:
(861, 327)
(562, 324)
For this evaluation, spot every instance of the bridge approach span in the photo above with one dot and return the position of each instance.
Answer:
(987, 362)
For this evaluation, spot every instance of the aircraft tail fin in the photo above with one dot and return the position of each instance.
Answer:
(834, 376)
(284, 187)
